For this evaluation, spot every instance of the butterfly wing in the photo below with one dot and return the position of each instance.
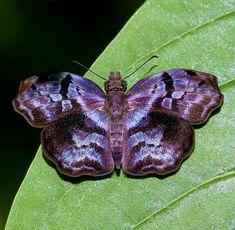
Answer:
(44, 99)
(72, 110)
(160, 111)
(77, 146)
(186, 94)
(157, 144)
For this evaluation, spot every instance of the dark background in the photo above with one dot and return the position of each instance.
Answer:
(38, 37)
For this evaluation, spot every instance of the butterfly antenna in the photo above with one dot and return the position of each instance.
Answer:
(77, 62)
(154, 56)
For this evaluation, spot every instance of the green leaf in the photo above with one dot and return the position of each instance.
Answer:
(190, 34)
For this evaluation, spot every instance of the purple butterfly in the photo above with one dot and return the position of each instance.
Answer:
(146, 130)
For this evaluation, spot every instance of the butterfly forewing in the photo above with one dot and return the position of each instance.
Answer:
(42, 100)
(186, 94)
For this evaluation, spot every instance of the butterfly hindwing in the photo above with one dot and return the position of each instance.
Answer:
(186, 94)
(77, 146)
(157, 144)
(44, 99)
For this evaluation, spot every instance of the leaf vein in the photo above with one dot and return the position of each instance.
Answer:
(196, 28)
(184, 34)
(45, 216)
(209, 182)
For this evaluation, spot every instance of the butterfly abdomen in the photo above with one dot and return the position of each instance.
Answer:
(116, 127)
(116, 142)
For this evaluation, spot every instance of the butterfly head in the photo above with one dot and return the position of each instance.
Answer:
(115, 83)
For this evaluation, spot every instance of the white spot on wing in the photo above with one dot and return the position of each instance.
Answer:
(167, 103)
(177, 94)
(66, 105)
(56, 97)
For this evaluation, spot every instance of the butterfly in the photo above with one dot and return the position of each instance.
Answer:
(147, 130)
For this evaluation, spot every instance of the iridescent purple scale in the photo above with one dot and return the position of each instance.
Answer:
(147, 130)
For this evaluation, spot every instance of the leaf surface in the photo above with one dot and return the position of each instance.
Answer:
(190, 34)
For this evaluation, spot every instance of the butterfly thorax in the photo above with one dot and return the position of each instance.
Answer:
(115, 83)
(115, 88)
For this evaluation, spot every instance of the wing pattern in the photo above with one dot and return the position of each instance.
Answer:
(155, 120)
(77, 146)
(44, 99)
(186, 94)
(157, 144)
(71, 108)
(161, 110)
